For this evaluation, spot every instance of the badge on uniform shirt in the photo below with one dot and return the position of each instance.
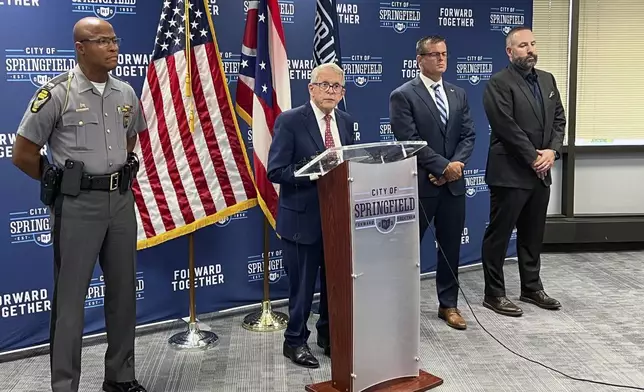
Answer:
(41, 99)
(82, 108)
(126, 111)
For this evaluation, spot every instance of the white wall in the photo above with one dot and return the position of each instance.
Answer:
(610, 183)
(554, 207)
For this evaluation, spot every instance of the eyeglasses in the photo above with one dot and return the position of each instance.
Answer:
(104, 42)
(435, 54)
(325, 86)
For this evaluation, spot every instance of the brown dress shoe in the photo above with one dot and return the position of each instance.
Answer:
(452, 317)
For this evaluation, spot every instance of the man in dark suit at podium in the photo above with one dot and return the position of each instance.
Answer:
(527, 119)
(300, 134)
(430, 109)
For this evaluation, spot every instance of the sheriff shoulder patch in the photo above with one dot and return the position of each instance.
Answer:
(41, 99)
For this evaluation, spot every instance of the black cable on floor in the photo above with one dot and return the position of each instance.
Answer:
(501, 343)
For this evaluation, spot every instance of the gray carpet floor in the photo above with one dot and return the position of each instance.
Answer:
(598, 334)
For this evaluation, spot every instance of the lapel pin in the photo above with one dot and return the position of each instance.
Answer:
(552, 94)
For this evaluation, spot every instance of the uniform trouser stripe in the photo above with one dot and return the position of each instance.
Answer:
(58, 209)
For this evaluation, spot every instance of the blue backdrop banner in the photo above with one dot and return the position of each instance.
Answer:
(378, 53)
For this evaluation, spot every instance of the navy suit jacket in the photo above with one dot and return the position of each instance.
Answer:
(297, 137)
(414, 116)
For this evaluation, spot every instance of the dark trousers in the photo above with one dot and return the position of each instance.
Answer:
(526, 210)
(93, 225)
(302, 263)
(448, 212)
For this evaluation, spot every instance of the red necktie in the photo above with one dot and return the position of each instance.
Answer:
(328, 138)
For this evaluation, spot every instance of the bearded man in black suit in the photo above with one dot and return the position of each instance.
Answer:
(524, 109)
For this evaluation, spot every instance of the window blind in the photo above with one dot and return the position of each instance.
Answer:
(611, 81)
(551, 26)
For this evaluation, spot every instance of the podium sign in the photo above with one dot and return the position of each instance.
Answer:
(386, 272)
(369, 206)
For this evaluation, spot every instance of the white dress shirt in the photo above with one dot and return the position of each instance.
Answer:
(319, 116)
(429, 83)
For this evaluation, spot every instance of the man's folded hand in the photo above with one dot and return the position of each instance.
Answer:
(437, 181)
(454, 171)
(544, 162)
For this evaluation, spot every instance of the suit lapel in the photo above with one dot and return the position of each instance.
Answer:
(523, 85)
(313, 128)
(546, 87)
(422, 92)
(452, 102)
(344, 129)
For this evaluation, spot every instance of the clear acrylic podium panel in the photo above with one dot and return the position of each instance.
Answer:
(373, 153)
(386, 270)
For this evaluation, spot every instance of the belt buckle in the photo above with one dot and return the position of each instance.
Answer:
(114, 178)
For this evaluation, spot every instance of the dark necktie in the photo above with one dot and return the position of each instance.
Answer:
(532, 81)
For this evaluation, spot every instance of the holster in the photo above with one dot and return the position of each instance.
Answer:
(49, 182)
(128, 172)
(126, 178)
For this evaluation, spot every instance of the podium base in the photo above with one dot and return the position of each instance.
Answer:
(423, 382)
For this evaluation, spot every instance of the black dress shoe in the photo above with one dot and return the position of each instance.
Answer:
(324, 344)
(502, 305)
(129, 386)
(541, 299)
(301, 356)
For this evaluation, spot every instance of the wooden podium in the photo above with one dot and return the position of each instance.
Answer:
(369, 208)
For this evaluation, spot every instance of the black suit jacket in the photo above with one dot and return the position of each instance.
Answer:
(414, 116)
(520, 127)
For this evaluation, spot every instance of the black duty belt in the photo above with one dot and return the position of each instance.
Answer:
(105, 182)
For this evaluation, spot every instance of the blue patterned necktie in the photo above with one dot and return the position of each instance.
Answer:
(440, 103)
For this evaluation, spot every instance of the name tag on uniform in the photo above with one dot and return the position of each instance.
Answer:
(82, 108)
(126, 112)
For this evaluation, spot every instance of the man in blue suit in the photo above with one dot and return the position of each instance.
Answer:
(300, 134)
(430, 109)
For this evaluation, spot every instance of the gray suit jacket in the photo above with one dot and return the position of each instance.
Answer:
(414, 116)
(520, 127)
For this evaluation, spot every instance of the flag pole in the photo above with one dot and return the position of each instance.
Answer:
(193, 338)
(266, 320)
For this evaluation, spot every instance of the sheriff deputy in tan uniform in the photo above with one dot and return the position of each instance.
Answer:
(90, 121)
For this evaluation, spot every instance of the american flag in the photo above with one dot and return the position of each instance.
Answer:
(326, 37)
(188, 180)
(263, 90)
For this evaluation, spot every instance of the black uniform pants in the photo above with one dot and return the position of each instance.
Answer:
(526, 210)
(93, 225)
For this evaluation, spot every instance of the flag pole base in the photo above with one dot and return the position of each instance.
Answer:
(265, 320)
(193, 339)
